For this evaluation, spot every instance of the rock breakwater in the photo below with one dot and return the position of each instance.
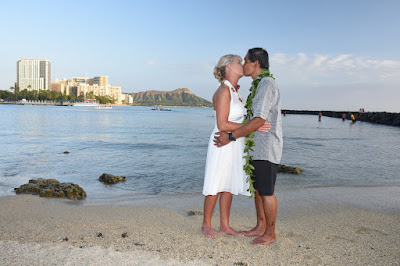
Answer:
(383, 118)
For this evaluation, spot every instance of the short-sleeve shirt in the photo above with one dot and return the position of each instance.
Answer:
(266, 105)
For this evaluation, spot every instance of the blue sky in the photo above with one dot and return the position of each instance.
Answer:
(330, 55)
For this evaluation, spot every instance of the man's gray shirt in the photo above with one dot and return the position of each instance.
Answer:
(266, 105)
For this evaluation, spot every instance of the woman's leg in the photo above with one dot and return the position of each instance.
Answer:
(209, 205)
(225, 203)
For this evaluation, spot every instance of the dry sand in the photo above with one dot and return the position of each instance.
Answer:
(315, 226)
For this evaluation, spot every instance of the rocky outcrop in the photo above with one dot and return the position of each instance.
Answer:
(383, 118)
(111, 179)
(289, 169)
(179, 97)
(51, 188)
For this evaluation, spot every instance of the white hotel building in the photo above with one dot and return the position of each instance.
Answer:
(33, 74)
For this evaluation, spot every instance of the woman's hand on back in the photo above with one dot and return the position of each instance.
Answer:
(265, 127)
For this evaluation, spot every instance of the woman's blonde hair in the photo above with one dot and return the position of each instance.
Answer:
(220, 68)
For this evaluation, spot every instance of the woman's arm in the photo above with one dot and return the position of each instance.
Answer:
(222, 99)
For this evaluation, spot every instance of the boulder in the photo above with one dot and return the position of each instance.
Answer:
(111, 179)
(289, 169)
(51, 188)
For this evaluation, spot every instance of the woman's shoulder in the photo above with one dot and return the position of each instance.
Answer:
(222, 89)
(221, 92)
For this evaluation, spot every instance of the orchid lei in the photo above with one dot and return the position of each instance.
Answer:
(249, 142)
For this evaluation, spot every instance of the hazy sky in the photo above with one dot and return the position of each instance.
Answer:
(325, 54)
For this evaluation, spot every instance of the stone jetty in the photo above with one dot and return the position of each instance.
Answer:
(384, 118)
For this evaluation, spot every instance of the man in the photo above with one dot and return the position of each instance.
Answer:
(267, 151)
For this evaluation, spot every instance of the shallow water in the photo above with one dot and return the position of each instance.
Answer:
(163, 153)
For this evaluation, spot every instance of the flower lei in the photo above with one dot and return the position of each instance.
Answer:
(249, 142)
(234, 90)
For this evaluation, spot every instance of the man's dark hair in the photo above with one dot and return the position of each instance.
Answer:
(259, 54)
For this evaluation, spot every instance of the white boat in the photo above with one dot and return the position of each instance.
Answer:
(87, 103)
(103, 107)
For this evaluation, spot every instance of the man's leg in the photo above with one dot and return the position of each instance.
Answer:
(225, 203)
(270, 206)
(209, 205)
(261, 225)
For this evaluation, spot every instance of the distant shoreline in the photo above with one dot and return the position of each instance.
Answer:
(111, 104)
(382, 118)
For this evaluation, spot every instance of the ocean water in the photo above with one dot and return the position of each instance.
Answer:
(164, 153)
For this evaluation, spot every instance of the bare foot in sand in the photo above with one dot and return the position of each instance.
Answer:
(208, 232)
(230, 231)
(265, 239)
(254, 232)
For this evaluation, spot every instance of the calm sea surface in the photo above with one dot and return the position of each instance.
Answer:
(164, 153)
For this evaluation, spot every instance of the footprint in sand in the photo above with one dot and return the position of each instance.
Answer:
(336, 237)
(369, 231)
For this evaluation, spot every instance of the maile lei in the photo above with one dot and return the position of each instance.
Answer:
(249, 142)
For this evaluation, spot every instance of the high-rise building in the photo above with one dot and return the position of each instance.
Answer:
(33, 74)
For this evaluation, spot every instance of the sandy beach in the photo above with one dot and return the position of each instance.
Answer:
(340, 225)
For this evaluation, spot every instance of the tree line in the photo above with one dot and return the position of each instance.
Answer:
(47, 95)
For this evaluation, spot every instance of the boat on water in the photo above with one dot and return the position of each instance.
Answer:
(103, 107)
(154, 108)
(165, 109)
(87, 103)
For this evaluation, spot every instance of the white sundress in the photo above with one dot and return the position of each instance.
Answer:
(224, 166)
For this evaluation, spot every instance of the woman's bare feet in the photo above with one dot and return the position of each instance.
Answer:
(265, 239)
(208, 232)
(229, 231)
(256, 231)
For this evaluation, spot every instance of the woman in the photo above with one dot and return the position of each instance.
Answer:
(224, 174)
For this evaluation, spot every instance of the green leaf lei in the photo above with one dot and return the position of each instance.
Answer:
(249, 142)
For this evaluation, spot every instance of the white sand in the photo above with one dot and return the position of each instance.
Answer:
(314, 226)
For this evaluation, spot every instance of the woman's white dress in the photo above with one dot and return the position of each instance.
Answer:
(224, 166)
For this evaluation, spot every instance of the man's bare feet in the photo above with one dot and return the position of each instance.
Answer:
(265, 239)
(208, 232)
(256, 231)
(230, 231)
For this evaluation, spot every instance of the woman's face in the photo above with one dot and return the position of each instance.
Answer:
(235, 68)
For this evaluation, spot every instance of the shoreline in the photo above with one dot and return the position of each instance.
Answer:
(314, 226)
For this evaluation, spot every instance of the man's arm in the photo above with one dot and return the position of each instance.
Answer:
(222, 138)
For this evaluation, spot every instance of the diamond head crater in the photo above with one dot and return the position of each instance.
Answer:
(178, 97)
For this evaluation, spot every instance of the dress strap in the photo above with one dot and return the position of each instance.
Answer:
(233, 90)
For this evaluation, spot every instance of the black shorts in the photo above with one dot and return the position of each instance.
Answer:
(265, 177)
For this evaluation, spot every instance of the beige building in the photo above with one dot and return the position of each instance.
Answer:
(98, 85)
(127, 98)
(33, 74)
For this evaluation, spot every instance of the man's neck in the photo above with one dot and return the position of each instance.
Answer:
(256, 73)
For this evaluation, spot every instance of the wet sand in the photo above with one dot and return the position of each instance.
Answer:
(357, 225)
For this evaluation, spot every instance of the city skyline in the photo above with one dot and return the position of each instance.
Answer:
(340, 55)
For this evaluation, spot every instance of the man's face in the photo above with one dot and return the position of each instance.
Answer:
(249, 67)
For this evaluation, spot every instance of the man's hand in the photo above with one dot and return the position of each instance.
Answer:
(221, 139)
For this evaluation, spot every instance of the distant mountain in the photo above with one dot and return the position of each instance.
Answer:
(179, 97)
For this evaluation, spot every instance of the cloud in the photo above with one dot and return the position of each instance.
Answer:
(319, 68)
(150, 63)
